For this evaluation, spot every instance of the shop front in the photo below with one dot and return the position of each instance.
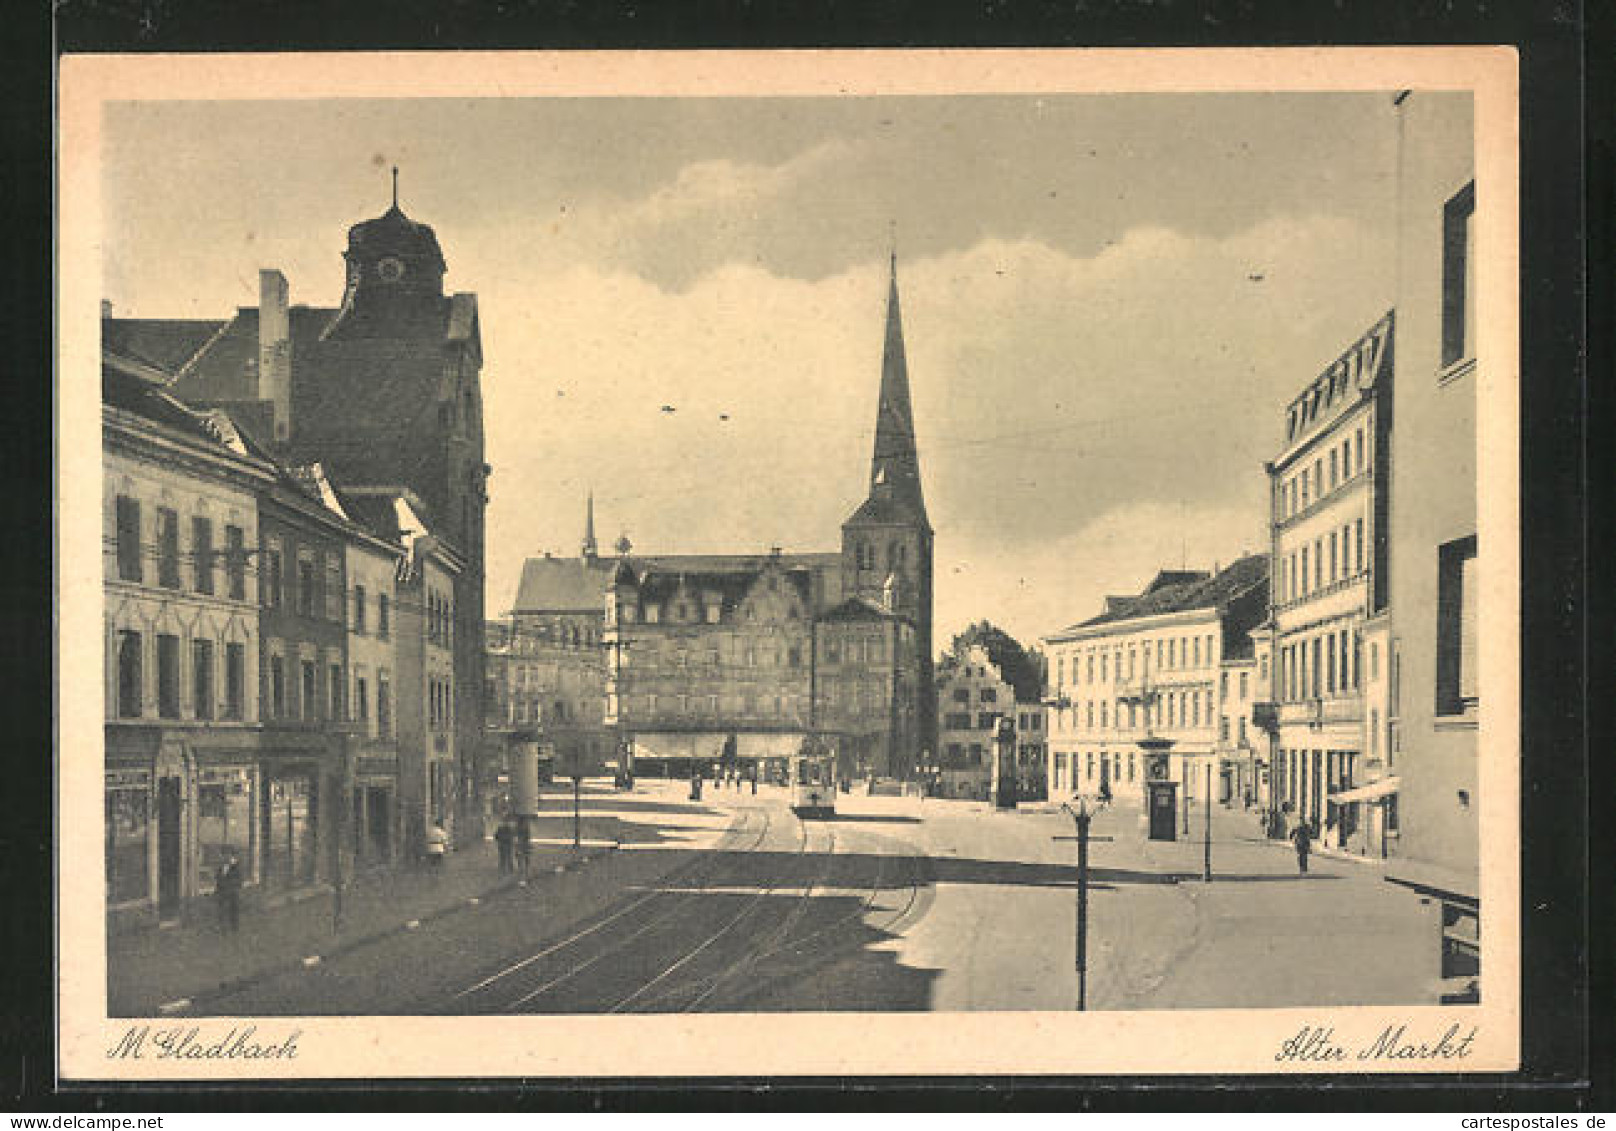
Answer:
(177, 804)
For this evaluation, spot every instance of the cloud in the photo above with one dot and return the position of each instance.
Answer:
(1078, 416)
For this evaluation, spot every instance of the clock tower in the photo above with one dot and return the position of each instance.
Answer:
(395, 277)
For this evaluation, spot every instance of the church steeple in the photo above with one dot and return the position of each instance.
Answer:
(590, 549)
(895, 462)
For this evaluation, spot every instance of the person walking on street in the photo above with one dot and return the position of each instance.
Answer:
(1302, 838)
(437, 846)
(504, 838)
(522, 835)
(227, 886)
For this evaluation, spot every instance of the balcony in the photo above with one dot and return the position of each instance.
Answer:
(1319, 712)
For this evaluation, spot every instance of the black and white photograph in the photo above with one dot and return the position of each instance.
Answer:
(863, 561)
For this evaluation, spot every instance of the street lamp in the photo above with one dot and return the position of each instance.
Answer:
(1082, 816)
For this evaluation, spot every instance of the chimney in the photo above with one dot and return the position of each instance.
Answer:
(275, 350)
(106, 308)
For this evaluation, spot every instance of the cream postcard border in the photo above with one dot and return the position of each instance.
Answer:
(1192, 1041)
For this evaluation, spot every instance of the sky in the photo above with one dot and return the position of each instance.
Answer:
(1108, 301)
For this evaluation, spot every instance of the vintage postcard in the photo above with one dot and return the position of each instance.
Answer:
(788, 563)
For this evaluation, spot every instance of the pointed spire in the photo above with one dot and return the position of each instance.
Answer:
(395, 186)
(895, 462)
(589, 548)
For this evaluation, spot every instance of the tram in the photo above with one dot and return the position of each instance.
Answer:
(812, 773)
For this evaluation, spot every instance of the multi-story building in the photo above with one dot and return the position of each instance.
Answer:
(416, 704)
(1237, 746)
(1433, 704)
(383, 390)
(302, 665)
(373, 567)
(1032, 750)
(183, 787)
(1327, 523)
(1149, 667)
(972, 696)
(862, 671)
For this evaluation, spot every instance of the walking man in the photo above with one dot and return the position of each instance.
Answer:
(1302, 838)
(505, 837)
(227, 887)
(522, 834)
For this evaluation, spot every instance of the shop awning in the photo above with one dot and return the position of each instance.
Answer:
(768, 745)
(1380, 788)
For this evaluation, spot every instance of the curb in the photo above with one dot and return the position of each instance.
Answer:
(348, 946)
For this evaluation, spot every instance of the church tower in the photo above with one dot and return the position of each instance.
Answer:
(589, 549)
(887, 543)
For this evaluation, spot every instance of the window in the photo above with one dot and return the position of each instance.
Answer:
(990, 695)
(1333, 562)
(202, 678)
(1335, 472)
(235, 680)
(305, 586)
(1304, 569)
(1244, 686)
(1358, 552)
(1197, 661)
(382, 612)
(1459, 277)
(202, 552)
(235, 562)
(168, 548)
(277, 686)
(310, 689)
(129, 675)
(168, 676)
(984, 720)
(359, 609)
(1357, 451)
(128, 538)
(338, 698)
(274, 593)
(384, 704)
(1457, 687)
(653, 614)
(962, 695)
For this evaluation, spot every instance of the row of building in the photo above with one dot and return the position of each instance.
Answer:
(1333, 679)
(292, 563)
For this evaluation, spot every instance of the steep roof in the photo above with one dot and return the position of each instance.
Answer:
(859, 609)
(559, 585)
(1203, 592)
(579, 585)
(167, 343)
(124, 387)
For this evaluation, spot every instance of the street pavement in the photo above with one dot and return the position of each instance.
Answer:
(733, 904)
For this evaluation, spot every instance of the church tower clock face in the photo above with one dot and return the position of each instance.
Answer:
(390, 269)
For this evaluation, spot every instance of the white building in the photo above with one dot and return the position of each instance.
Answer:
(182, 641)
(1327, 523)
(373, 567)
(1433, 696)
(1150, 667)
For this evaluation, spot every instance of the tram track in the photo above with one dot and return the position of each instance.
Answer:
(729, 843)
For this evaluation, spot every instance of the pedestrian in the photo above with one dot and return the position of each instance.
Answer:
(1302, 838)
(437, 846)
(227, 887)
(522, 835)
(505, 838)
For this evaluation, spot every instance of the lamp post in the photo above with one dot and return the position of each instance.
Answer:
(1082, 817)
(1206, 863)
